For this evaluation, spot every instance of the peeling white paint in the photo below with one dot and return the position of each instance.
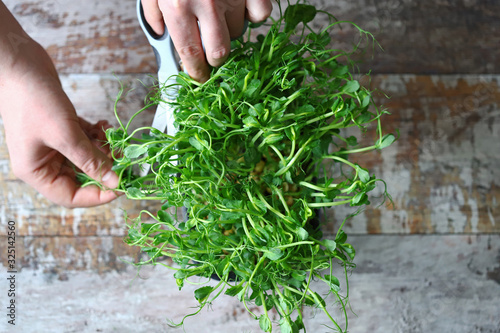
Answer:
(474, 219)
(446, 215)
(394, 221)
(77, 218)
(466, 176)
(63, 216)
(492, 219)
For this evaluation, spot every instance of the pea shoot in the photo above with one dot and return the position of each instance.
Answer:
(260, 151)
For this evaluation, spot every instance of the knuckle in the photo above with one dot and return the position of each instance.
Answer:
(92, 167)
(262, 12)
(220, 53)
(190, 51)
(179, 6)
(197, 73)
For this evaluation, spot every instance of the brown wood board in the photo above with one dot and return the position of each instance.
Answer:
(441, 172)
(424, 37)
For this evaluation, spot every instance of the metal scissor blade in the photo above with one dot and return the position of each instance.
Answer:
(168, 67)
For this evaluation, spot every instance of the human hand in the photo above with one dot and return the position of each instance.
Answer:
(220, 20)
(45, 137)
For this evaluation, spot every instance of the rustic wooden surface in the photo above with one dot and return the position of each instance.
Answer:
(419, 37)
(442, 173)
(446, 284)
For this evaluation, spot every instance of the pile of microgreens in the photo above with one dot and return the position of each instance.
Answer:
(248, 165)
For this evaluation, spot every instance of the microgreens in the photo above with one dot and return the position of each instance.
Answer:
(248, 164)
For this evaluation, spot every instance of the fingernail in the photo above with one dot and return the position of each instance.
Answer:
(110, 179)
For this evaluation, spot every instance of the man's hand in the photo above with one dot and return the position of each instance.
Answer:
(45, 137)
(220, 20)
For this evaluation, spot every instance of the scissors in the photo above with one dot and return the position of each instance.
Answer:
(168, 68)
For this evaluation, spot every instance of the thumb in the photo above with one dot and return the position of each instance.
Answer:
(87, 157)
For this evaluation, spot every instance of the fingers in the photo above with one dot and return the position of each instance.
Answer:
(183, 28)
(73, 143)
(71, 195)
(235, 19)
(56, 180)
(216, 36)
(220, 20)
(258, 10)
(153, 16)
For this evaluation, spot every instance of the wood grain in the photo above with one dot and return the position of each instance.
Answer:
(425, 37)
(56, 255)
(401, 284)
(442, 171)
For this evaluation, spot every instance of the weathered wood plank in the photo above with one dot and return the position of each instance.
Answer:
(442, 172)
(98, 36)
(424, 37)
(57, 255)
(401, 284)
(418, 37)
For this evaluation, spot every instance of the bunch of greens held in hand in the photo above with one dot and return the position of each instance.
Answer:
(249, 164)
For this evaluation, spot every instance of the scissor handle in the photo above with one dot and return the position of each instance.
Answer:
(163, 48)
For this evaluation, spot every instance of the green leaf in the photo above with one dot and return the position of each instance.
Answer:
(295, 14)
(386, 141)
(341, 237)
(146, 227)
(162, 238)
(201, 294)
(359, 199)
(334, 283)
(340, 71)
(252, 155)
(366, 101)
(133, 235)
(349, 249)
(134, 193)
(227, 90)
(273, 138)
(285, 326)
(273, 253)
(307, 108)
(351, 86)
(299, 275)
(134, 151)
(363, 174)
(265, 323)
(228, 216)
(195, 143)
(181, 274)
(321, 301)
(250, 122)
(164, 216)
(302, 233)
(234, 290)
(352, 141)
(232, 204)
(331, 245)
(252, 88)
(294, 282)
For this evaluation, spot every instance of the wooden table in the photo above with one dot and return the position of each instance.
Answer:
(438, 244)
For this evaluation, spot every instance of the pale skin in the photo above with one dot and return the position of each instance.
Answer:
(46, 139)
